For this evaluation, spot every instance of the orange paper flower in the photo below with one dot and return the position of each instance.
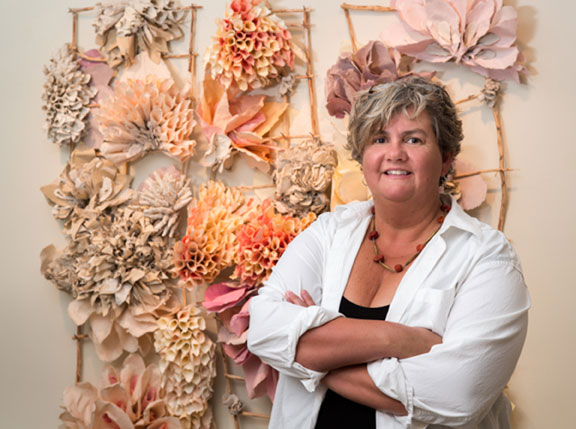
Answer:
(263, 240)
(252, 47)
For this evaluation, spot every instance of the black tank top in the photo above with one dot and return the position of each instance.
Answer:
(337, 411)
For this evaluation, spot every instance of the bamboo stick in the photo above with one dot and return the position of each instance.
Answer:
(226, 374)
(302, 76)
(251, 414)
(75, 31)
(296, 26)
(469, 98)
(87, 9)
(89, 58)
(287, 115)
(504, 199)
(351, 30)
(252, 188)
(310, 72)
(78, 338)
(475, 173)
(290, 10)
(193, 54)
(347, 6)
(192, 58)
(300, 136)
(234, 377)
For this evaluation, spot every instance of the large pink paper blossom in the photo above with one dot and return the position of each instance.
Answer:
(252, 47)
(372, 64)
(480, 34)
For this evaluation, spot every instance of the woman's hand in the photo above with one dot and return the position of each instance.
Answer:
(304, 301)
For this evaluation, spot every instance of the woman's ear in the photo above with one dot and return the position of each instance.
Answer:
(447, 159)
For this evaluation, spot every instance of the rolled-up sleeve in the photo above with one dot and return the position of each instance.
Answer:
(276, 325)
(458, 381)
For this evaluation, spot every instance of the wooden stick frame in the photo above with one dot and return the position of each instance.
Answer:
(495, 112)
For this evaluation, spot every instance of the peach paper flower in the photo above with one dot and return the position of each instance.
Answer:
(210, 243)
(143, 116)
(480, 34)
(263, 240)
(252, 47)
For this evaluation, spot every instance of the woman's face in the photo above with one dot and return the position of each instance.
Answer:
(403, 162)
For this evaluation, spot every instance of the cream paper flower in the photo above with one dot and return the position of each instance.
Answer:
(120, 278)
(162, 196)
(129, 399)
(187, 362)
(88, 187)
(143, 116)
(302, 176)
(66, 97)
(124, 28)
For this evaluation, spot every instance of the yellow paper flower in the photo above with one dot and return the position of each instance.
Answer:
(187, 362)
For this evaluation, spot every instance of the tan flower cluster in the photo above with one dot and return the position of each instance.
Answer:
(66, 97)
(490, 92)
(252, 47)
(187, 362)
(302, 176)
(162, 196)
(147, 115)
(125, 28)
(130, 399)
(119, 275)
(263, 240)
(210, 245)
(88, 187)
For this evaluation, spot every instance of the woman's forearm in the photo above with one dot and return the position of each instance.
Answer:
(354, 383)
(345, 341)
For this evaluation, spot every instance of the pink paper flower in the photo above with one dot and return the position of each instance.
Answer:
(221, 296)
(480, 34)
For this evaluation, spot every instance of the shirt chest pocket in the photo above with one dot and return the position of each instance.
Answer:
(430, 308)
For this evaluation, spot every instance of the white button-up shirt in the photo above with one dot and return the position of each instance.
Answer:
(466, 285)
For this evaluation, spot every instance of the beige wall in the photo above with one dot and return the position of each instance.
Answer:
(38, 356)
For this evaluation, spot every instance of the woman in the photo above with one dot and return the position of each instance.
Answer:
(403, 311)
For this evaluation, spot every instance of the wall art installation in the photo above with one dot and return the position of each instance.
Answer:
(148, 268)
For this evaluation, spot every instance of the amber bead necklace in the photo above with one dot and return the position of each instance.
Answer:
(379, 258)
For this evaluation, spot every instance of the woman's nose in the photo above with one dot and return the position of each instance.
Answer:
(396, 151)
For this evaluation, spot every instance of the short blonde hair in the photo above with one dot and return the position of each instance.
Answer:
(375, 107)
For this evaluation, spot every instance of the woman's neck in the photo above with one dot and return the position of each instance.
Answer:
(406, 222)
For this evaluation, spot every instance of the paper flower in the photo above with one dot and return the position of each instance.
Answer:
(221, 296)
(120, 277)
(145, 116)
(480, 34)
(262, 241)
(124, 28)
(302, 175)
(490, 92)
(260, 379)
(130, 399)
(162, 196)
(209, 245)
(373, 64)
(66, 97)
(235, 123)
(187, 362)
(234, 404)
(252, 47)
(88, 187)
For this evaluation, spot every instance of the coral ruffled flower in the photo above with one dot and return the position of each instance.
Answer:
(252, 47)
(480, 34)
(263, 240)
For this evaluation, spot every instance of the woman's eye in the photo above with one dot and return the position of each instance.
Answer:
(414, 140)
(380, 140)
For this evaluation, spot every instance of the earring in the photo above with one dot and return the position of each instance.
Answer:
(364, 181)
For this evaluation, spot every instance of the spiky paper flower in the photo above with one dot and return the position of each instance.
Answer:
(263, 240)
(88, 186)
(187, 362)
(127, 27)
(210, 243)
(145, 116)
(130, 399)
(480, 34)
(302, 176)
(252, 47)
(66, 97)
(120, 278)
(162, 196)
